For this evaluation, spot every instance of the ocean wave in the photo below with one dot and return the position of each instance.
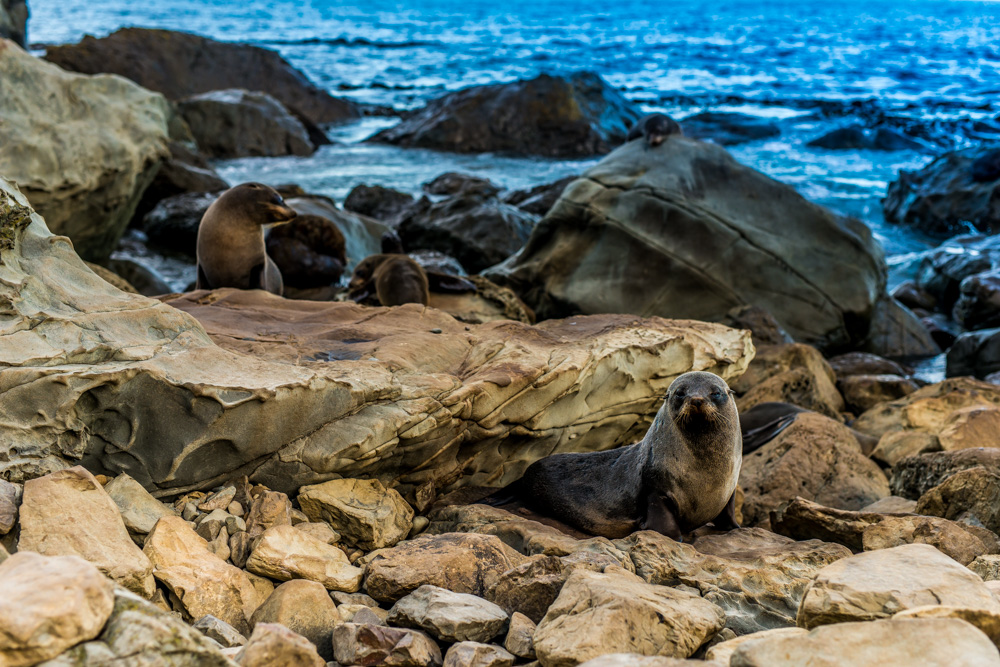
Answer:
(352, 42)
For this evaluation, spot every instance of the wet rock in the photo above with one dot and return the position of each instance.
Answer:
(857, 137)
(599, 613)
(474, 654)
(10, 500)
(971, 495)
(285, 553)
(68, 513)
(449, 616)
(454, 183)
(14, 21)
(199, 580)
(571, 264)
(945, 197)
(913, 296)
(274, 645)
(92, 190)
(309, 251)
(978, 304)
(551, 116)
(457, 562)
(220, 631)
(376, 201)
(942, 272)
(976, 353)
(364, 512)
(305, 608)
(896, 332)
(140, 511)
(863, 392)
(48, 605)
(764, 328)
(172, 225)
(916, 475)
(815, 458)
(539, 199)
(358, 644)
(878, 584)
(520, 636)
(240, 123)
(728, 128)
(931, 642)
(180, 64)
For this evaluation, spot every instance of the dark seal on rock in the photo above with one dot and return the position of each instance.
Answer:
(394, 278)
(654, 128)
(682, 474)
(231, 251)
(310, 251)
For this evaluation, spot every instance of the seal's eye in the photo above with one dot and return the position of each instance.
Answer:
(717, 395)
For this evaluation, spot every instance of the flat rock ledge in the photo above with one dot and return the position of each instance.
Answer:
(186, 394)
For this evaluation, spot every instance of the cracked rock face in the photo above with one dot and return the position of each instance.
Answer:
(296, 393)
(720, 235)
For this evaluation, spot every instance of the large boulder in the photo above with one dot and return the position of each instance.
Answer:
(552, 116)
(180, 64)
(14, 21)
(702, 234)
(82, 149)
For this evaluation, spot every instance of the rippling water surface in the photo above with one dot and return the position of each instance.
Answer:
(812, 65)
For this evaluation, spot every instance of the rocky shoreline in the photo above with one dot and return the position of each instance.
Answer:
(233, 477)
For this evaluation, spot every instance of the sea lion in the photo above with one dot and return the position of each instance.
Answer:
(654, 128)
(395, 278)
(231, 251)
(682, 474)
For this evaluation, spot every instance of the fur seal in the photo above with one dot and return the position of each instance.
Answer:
(395, 278)
(310, 251)
(654, 128)
(231, 250)
(682, 474)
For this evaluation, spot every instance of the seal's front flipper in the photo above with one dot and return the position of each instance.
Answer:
(661, 517)
(727, 517)
(202, 281)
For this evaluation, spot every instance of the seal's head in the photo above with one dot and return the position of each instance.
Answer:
(699, 401)
(658, 127)
(256, 202)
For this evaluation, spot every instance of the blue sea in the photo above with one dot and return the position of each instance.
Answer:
(930, 66)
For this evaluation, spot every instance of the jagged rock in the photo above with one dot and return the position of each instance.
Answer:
(14, 21)
(930, 642)
(285, 553)
(180, 64)
(878, 584)
(363, 511)
(941, 273)
(219, 500)
(815, 458)
(474, 654)
(200, 581)
(376, 201)
(728, 128)
(220, 631)
(359, 613)
(68, 513)
(449, 616)
(759, 584)
(305, 608)
(240, 123)
(274, 645)
(598, 613)
(48, 605)
(82, 149)
(916, 475)
(457, 562)
(210, 525)
(520, 636)
(795, 374)
(357, 644)
(10, 501)
(140, 511)
(971, 495)
(717, 233)
(267, 510)
(552, 116)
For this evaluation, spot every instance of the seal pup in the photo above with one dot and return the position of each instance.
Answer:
(231, 250)
(679, 477)
(395, 278)
(654, 128)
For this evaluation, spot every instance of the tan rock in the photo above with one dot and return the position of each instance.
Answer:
(892, 505)
(274, 645)
(358, 644)
(267, 509)
(878, 584)
(971, 495)
(986, 620)
(636, 660)
(914, 476)
(351, 613)
(219, 500)
(284, 553)
(474, 654)
(520, 636)
(10, 500)
(220, 631)
(200, 580)
(863, 392)
(448, 616)
(885, 643)
(48, 605)
(894, 446)
(140, 511)
(930, 408)
(793, 373)
(723, 652)
(321, 531)
(987, 566)
(69, 513)
(304, 607)
(457, 562)
(974, 426)
(363, 511)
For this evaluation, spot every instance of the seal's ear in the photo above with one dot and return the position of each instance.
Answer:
(443, 282)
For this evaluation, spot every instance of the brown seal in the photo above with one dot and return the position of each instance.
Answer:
(310, 251)
(654, 128)
(682, 474)
(395, 278)
(231, 251)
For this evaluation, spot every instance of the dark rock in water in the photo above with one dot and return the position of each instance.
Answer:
(309, 251)
(240, 123)
(14, 21)
(978, 306)
(947, 196)
(180, 64)
(145, 280)
(728, 128)
(477, 230)
(862, 363)
(180, 173)
(942, 330)
(890, 140)
(941, 273)
(857, 137)
(987, 167)
(539, 199)
(911, 295)
(453, 183)
(764, 328)
(554, 116)
(377, 202)
(172, 225)
(975, 353)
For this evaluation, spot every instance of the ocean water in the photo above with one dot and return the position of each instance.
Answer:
(929, 66)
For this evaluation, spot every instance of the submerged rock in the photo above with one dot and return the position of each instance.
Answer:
(856, 136)
(729, 128)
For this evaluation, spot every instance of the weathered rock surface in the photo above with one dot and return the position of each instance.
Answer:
(598, 613)
(449, 616)
(722, 652)
(539, 199)
(863, 392)
(878, 584)
(14, 21)
(915, 475)
(636, 660)
(305, 608)
(365, 513)
(551, 116)
(274, 645)
(285, 553)
(359, 644)
(220, 631)
(10, 501)
(48, 605)
(82, 149)
(520, 636)
(711, 225)
(986, 620)
(792, 373)
(180, 64)
(68, 513)
(474, 654)
(241, 123)
(971, 495)
(140, 511)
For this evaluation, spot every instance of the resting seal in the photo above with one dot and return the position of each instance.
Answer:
(231, 251)
(682, 474)
(654, 128)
